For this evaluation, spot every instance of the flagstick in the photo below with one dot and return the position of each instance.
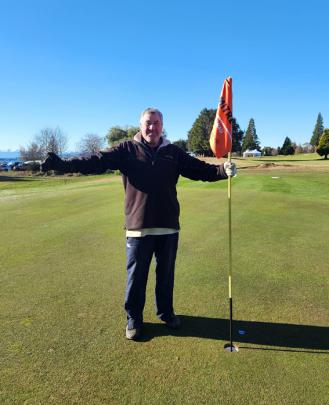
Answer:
(230, 256)
(220, 142)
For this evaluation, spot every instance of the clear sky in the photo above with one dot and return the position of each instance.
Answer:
(88, 65)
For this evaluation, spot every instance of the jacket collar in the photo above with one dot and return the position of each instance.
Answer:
(138, 138)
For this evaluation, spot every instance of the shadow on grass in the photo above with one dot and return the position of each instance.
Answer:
(14, 178)
(257, 333)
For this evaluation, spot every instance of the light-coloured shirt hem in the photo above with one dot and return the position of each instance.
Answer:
(139, 233)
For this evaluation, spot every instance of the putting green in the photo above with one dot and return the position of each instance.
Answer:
(62, 285)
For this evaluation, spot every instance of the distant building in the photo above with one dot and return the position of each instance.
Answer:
(252, 153)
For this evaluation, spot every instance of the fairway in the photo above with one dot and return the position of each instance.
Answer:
(62, 281)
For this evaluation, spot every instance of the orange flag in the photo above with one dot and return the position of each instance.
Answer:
(221, 134)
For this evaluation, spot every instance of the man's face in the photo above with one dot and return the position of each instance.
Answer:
(151, 128)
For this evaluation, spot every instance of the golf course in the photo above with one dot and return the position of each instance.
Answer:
(62, 283)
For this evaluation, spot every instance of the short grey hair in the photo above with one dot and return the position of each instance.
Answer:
(151, 111)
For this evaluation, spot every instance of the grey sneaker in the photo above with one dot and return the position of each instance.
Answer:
(132, 333)
(174, 322)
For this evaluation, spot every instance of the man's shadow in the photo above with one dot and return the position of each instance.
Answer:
(13, 178)
(279, 335)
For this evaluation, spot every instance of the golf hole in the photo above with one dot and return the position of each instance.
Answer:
(229, 348)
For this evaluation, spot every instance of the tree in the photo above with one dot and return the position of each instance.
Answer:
(323, 147)
(181, 143)
(91, 144)
(317, 132)
(308, 148)
(47, 140)
(268, 151)
(132, 131)
(198, 135)
(287, 147)
(237, 135)
(299, 148)
(304, 148)
(32, 152)
(51, 140)
(115, 135)
(250, 140)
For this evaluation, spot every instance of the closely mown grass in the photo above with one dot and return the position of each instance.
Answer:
(62, 284)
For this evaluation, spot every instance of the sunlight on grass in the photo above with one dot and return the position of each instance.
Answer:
(62, 286)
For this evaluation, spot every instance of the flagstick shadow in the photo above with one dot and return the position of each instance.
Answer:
(280, 335)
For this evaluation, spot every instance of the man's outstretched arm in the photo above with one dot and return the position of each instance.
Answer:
(94, 165)
(53, 162)
(196, 169)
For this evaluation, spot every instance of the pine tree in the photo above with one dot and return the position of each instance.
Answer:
(199, 134)
(250, 140)
(181, 143)
(317, 132)
(287, 147)
(237, 135)
(323, 148)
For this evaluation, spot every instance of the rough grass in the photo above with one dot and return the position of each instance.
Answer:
(298, 162)
(62, 284)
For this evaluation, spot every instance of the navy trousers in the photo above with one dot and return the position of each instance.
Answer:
(139, 253)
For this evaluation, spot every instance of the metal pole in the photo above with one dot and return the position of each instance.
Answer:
(230, 257)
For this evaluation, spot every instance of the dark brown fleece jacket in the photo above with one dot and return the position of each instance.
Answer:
(149, 179)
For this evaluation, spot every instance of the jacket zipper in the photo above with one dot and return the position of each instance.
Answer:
(152, 156)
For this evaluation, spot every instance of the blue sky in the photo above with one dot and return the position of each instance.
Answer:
(88, 65)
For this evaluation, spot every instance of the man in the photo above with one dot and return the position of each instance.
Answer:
(150, 166)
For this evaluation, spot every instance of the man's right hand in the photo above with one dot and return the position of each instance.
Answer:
(52, 162)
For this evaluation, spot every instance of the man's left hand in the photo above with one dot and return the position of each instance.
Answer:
(230, 169)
